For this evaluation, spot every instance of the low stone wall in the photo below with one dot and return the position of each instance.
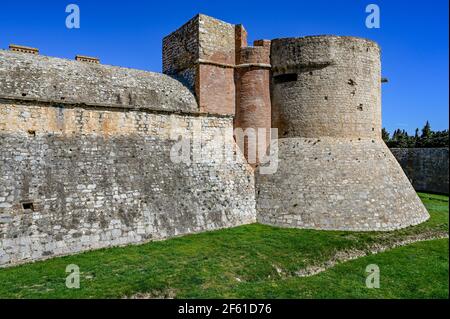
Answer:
(426, 168)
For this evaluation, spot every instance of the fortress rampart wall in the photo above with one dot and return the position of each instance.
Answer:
(41, 78)
(334, 170)
(95, 156)
(94, 170)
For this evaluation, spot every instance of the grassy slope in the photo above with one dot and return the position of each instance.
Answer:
(418, 270)
(243, 262)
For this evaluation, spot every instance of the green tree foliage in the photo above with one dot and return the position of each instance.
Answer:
(385, 135)
(426, 131)
(427, 138)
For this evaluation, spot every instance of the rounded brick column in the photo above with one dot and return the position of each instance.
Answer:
(253, 94)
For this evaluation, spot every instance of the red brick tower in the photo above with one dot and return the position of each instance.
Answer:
(212, 58)
(253, 109)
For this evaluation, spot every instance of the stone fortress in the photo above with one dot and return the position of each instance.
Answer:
(85, 148)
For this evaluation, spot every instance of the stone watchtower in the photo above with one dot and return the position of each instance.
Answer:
(228, 77)
(323, 94)
(334, 172)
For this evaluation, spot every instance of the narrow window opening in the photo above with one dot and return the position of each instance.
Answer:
(284, 78)
(28, 206)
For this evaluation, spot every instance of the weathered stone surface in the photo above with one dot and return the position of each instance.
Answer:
(334, 172)
(31, 77)
(98, 178)
(86, 150)
(337, 184)
(426, 168)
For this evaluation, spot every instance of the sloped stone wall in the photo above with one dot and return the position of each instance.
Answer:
(337, 184)
(41, 78)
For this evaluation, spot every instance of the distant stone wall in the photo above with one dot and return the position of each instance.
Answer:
(426, 168)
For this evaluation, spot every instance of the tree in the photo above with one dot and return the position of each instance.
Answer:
(426, 131)
(385, 135)
(428, 138)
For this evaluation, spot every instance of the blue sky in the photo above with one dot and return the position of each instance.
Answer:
(413, 37)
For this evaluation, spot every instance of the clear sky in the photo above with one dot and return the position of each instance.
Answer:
(413, 36)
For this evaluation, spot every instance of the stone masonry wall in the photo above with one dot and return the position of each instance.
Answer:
(97, 178)
(334, 170)
(86, 163)
(337, 79)
(337, 184)
(426, 168)
(253, 95)
(41, 78)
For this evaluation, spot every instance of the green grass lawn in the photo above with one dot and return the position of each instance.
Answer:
(252, 261)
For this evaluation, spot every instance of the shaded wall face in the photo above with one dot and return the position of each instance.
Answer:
(73, 179)
(426, 168)
(326, 86)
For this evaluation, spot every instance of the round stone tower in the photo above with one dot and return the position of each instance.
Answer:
(334, 170)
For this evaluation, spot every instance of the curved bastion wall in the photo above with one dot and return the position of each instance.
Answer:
(334, 170)
(94, 169)
(326, 86)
